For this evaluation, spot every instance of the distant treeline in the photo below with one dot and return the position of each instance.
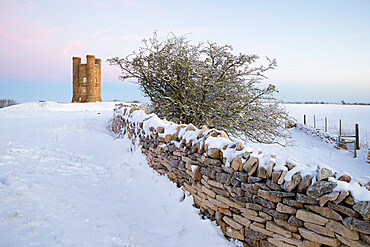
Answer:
(7, 102)
(322, 102)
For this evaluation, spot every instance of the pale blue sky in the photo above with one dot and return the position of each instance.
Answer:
(322, 47)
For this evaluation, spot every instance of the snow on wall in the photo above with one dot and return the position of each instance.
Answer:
(256, 198)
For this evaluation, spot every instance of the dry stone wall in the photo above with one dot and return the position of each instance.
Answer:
(261, 201)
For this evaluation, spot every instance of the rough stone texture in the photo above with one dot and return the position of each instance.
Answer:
(249, 202)
(290, 186)
(343, 209)
(314, 237)
(214, 153)
(306, 199)
(357, 225)
(351, 243)
(281, 208)
(328, 197)
(268, 196)
(342, 195)
(363, 208)
(319, 229)
(342, 230)
(324, 173)
(326, 212)
(320, 188)
(304, 184)
(278, 229)
(307, 216)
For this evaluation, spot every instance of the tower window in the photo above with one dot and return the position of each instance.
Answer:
(84, 90)
(85, 79)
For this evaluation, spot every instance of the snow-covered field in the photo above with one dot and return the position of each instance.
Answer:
(349, 114)
(66, 181)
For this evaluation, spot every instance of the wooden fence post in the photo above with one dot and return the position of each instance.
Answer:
(340, 127)
(314, 122)
(304, 120)
(326, 124)
(357, 137)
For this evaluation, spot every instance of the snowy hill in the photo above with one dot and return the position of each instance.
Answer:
(66, 181)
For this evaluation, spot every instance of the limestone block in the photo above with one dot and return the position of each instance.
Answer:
(264, 203)
(275, 176)
(240, 176)
(253, 169)
(319, 229)
(272, 185)
(261, 172)
(258, 228)
(264, 215)
(268, 196)
(225, 211)
(251, 188)
(286, 225)
(241, 220)
(281, 208)
(215, 153)
(218, 203)
(351, 243)
(250, 162)
(228, 202)
(342, 230)
(320, 188)
(239, 146)
(292, 241)
(343, 194)
(248, 211)
(270, 168)
(306, 199)
(363, 208)
(307, 216)
(234, 234)
(215, 184)
(324, 173)
(253, 206)
(304, 184)
(276, 214)
(328, 197)
(237, 162)
(232, 223)
(307, 243)
(357, 225)
(314, 237)
(281, 178)
(290, 186)
(345, 178)
(209, 192)
(280, 230)
(292, 203)
(343, 209)
(254, 218)
(324, 211)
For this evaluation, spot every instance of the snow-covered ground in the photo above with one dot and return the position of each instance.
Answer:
(66, 181)
(349, 114)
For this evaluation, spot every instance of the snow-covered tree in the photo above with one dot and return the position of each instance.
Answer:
(206, 84)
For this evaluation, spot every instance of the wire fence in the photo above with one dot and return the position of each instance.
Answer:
(346, 137)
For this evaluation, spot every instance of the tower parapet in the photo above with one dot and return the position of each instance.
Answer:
(86, 79)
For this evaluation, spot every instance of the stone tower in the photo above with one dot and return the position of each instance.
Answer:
(86, 79)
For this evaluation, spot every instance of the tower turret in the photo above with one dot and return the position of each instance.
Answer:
(98, 79)
(76, 64)
(90, 71)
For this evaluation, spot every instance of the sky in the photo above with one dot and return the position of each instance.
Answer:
(322, 47)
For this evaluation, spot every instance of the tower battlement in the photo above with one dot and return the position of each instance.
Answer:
(86, 79)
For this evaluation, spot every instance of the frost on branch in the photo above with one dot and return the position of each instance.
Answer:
(206, 84)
